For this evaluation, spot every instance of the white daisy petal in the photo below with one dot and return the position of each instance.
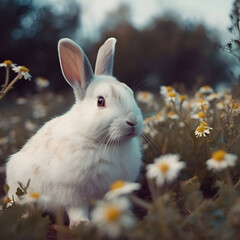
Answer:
(165, 168)
(221, 160)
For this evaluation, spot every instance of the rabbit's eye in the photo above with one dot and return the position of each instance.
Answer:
(101, 102)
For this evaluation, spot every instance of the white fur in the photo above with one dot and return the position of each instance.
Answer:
(75, 157)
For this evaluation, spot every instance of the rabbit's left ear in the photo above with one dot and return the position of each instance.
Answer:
(75, 66)
(104, 62)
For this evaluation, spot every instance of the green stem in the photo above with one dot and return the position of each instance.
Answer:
(140, 202)
(4, 92)
(228, 178)
(7, 78)
(189, 132)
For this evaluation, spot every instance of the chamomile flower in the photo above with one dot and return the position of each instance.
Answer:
(172, 115)
(221, 105)
(21, 101)
(235, 107)
(112, 216)
(159, 117)
(23, 71)
(7, 63)
(165, 168)
(164, 90)
(30, 126)
(171, 96)
(206, 89)
(212, 97)
(202, 130)
(182, 97)
(121, 187)
(144, 97)
(33, 197)
(221, 160)
(41, 83)
(199, 115)
(201, 104)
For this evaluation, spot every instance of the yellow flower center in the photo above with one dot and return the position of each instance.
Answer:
(219, 155)
(7, 200)
(201, 128)
(145, 95)
(163, 167)
(171, 113)
(112, 213)
(24, 69)
(201, 114)
(8, 62)
(157, 116)
(182, 97)
(235, 106)
(214, 95)
(147, 120)
(206, 87)
(117, 184)
(201, 101)
(169, 88)
(34, 195)
(172, 94)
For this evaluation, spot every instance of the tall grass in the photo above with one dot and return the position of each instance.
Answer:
(199, 131)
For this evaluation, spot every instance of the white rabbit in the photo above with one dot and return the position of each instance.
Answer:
(75, 157)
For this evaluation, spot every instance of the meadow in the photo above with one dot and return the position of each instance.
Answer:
(189, 185)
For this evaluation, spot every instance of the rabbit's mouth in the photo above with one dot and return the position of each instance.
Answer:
(127, 135)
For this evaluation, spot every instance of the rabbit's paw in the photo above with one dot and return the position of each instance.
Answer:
(78, 216)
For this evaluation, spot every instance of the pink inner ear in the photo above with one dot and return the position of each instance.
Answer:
(71, 58)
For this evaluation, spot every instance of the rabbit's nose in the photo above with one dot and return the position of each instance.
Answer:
(131, 119)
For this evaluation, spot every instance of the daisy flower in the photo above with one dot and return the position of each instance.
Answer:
(173, 115)
(33, 197)
(206, 89)
(182, 97)
(21, 101)
(23, 71)
(221, 160)
(213, 96)
(41, 82)
(221, 105)
(112, 216)
(121, 187)
(235, 107)
(144, 97)
(170, 96)
(202, 130)
(7, 63)
(159, 117)
(164, 90)
(165, 168)
(30, 126)
(200, 115)
(201, 104)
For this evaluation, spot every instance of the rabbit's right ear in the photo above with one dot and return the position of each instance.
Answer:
(104, 62)
(75, 66)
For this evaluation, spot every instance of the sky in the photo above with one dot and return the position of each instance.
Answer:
(213, 13)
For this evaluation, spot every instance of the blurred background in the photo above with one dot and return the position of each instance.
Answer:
(160, 42)
(183, 43)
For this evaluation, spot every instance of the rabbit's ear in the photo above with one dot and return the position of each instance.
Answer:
(75, 66)
(104, 62)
